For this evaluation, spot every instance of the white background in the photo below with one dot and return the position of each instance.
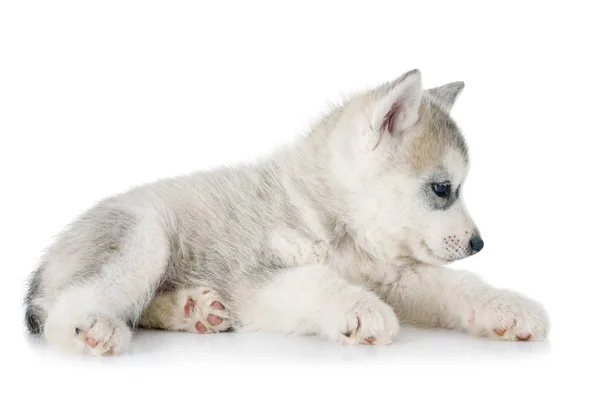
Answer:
(96, 97)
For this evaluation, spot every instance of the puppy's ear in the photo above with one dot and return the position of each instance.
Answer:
(446, 95)
(397, 104)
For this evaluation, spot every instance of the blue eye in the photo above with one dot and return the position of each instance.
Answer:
(441, 189)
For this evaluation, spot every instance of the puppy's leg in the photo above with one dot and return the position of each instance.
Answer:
(90, 316)
(315, 300)
(196, 310)
(442, 297)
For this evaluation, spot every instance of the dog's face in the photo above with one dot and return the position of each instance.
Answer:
(404, 163)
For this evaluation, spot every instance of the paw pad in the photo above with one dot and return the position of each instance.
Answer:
(205, 311)
(499, 331)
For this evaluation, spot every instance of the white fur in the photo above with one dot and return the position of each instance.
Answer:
(454, 299)
(314, 300)
(338, 235)
(98, 306)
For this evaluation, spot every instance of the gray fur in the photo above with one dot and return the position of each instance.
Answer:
(447, 94)
(435, 202)
(219, 224)
(439, 134)
(34, 315)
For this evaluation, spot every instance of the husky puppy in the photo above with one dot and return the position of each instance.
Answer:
(343, 234)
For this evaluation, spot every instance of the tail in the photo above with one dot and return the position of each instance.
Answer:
(34, 315)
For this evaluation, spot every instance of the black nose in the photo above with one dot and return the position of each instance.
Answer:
(476, 243)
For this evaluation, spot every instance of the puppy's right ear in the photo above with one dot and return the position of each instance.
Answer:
(397, 104)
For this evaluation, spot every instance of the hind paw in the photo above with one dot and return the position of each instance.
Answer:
(102, 335)
(196, 310)
(204, 312)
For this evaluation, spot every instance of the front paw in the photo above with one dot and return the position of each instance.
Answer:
(369, 321)
(507, 315)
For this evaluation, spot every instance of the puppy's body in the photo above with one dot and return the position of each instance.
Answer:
(311, 240)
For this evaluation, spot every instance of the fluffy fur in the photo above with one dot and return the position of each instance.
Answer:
(341, 234)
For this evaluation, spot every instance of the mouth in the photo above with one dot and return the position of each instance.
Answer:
(431, 254)
(456, 254)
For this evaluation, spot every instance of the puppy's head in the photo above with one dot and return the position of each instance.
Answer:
(403, 162)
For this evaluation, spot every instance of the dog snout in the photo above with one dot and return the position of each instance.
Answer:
(476, 244)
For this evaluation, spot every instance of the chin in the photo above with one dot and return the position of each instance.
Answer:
(438, 261)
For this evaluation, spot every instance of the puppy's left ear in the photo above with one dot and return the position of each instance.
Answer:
(397, 104)
(447, 94)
